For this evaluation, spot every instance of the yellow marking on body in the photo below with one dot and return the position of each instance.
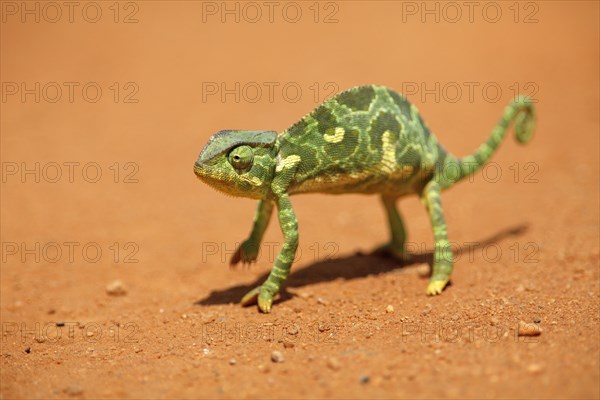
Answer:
(288, 162)
(388, 157)
(338, 135)
(255, 180)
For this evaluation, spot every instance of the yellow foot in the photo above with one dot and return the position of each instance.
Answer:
(436, 287)
(260, 296)
(393, 251)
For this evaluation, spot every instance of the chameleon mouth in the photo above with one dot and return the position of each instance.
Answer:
(199, 170)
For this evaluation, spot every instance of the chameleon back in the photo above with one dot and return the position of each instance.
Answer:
(368, 139)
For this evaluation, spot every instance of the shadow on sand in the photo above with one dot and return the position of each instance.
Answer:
(348, 267)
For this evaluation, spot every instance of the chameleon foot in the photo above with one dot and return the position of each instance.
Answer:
(246, 253)
(260, 296)
(393, 251)
(436, 287)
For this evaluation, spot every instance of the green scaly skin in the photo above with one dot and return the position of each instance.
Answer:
(368, 139)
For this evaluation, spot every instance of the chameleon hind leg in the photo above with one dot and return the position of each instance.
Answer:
(248, 250)
(442, 256)
(289, 226)
(396, 247)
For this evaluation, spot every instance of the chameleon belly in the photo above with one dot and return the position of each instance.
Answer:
(368, 139)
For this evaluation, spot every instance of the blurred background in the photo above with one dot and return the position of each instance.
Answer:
(106, 105)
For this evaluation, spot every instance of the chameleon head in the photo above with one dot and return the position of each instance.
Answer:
(239, 163)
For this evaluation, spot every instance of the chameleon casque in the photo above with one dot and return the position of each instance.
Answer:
(368, 139)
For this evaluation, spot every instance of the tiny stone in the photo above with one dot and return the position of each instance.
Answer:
(534, 368)
(60, 324)
(27, 349)
(263, 368)
(322, 301)
(73, 390)
(389, 309)
(277, 356)
(364, 379)
(334, 363)
(232, 361)
(423, 270)
(288, 345)
(520, 288)
(116, 288)
(537, 320)
(40, 339)
(528, 329)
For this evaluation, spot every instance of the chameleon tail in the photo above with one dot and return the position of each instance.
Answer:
(521, 110)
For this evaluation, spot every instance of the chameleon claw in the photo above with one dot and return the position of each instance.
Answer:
(251, 297)
(247, 253)
(436, 287)
(265, 301)
(259, 296)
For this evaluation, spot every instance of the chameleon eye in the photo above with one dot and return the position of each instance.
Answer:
(241, 158)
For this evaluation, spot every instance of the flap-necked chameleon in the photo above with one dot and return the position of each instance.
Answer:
(368, 139)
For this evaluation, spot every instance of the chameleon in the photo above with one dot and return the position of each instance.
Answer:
(367, 139)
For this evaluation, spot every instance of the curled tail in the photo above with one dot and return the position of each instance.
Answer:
(521, 110)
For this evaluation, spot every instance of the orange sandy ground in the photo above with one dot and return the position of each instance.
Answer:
(178, 332)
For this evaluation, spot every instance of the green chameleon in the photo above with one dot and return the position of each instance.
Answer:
(368, 139)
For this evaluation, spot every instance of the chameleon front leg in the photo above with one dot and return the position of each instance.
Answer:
(289, 226)
(442, 259)
(397, 245)
(248, 250)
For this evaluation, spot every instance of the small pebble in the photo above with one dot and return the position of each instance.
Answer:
(322, 301)
(27, 349)
(263, 368)
(537, 320)
(277, 356)
(288, 345)
(423, 270)
(389, 309)
(534, 368)
(364, 379)
(73, 390)
(116, 288)
(528, 329)
(232, 361)
(60, 324)
(334, 363)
